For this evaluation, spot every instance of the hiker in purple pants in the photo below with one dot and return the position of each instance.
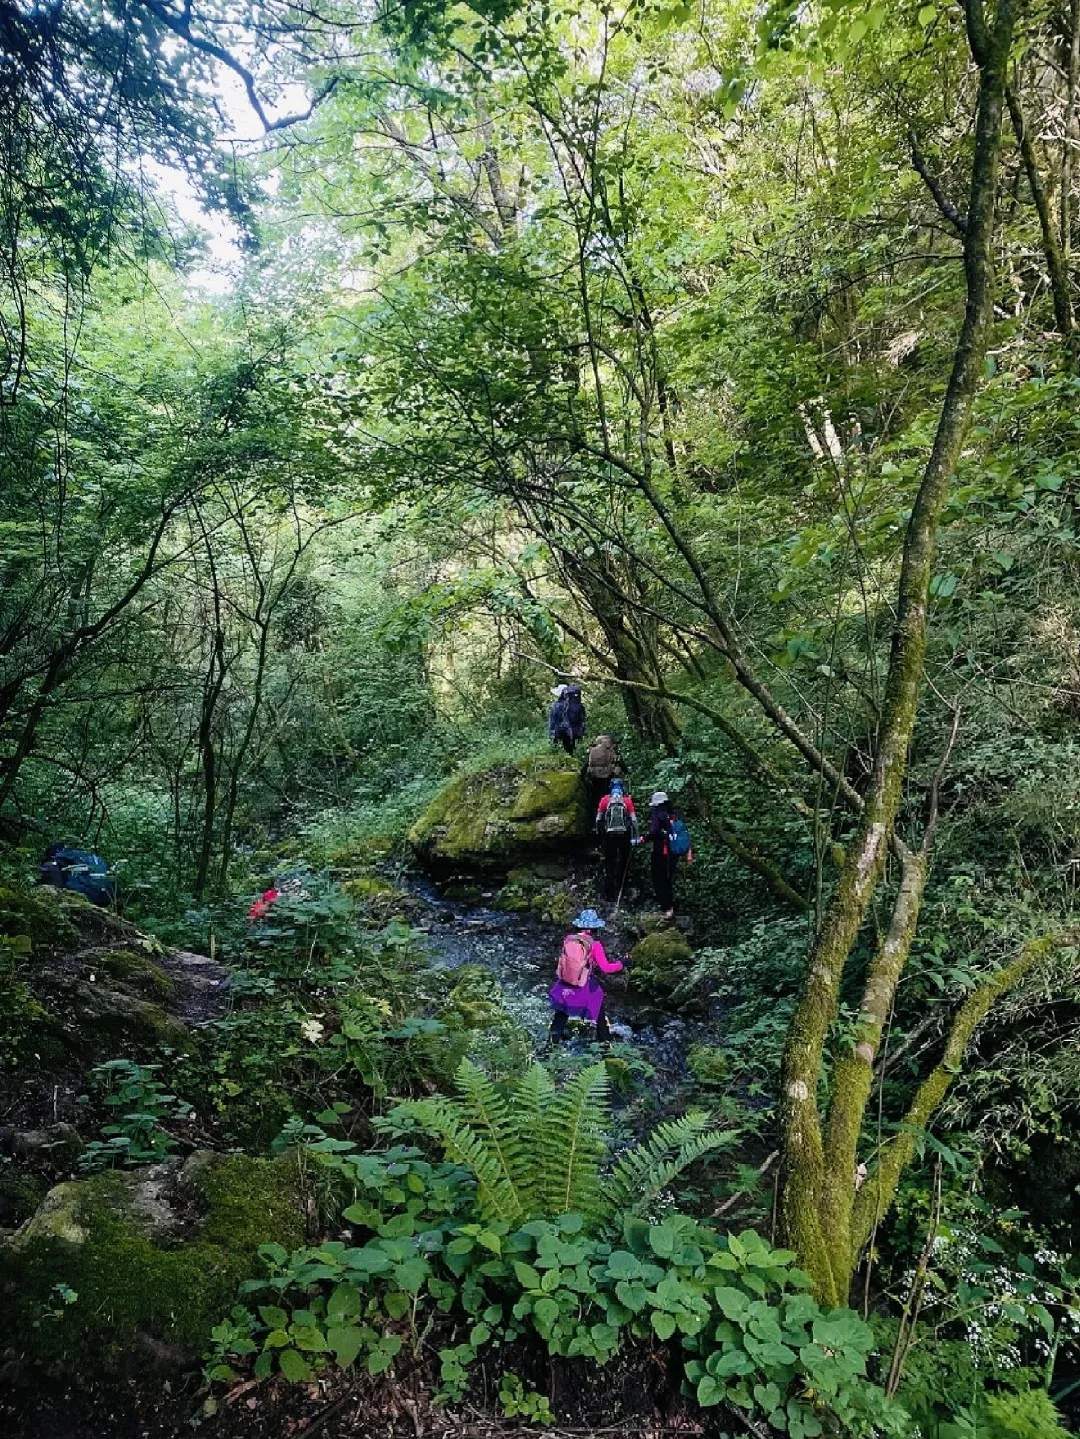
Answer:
(576, 993)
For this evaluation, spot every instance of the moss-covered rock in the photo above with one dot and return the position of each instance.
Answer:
(42, 915)
(141, 973)
(541, 889)
(659, 962)
(20, 1195)
(378, 899)
(153, 1256)
(94, 1016)
(503, 816)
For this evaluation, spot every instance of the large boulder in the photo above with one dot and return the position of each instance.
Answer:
(79, 986)
(659, 962)
(134, 1269)
(504, 816)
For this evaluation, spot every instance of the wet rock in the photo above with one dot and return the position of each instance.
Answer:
(504, 816)
(659, 962)
(540, 889)
(59, 1143)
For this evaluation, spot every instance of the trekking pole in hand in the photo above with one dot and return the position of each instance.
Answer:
(618, 901)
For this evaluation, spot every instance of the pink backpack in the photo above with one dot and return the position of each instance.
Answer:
(575, 961)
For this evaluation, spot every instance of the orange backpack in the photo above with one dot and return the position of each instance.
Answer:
(575, 961)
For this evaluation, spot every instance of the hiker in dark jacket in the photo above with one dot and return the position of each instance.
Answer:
(662, 861)
(566, 718)
(575, 715)
(557, 715)
(617, 826)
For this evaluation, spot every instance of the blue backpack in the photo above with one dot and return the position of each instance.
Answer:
(678, 838)
(79, 870)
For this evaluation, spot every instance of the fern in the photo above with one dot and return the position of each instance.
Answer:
(490, 1117)
(538, 1150)
(533, 1100)
(444, 1120)
(673, 1146)
(573, 1146)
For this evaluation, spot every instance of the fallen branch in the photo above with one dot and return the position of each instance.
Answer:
(732, 1199)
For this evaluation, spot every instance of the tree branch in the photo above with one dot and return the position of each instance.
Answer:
(941, 200)
(874, 1198)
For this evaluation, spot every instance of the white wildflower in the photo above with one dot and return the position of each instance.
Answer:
(312, 1030)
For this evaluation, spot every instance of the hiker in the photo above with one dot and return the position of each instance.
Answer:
(566, 718)
(557, 715)
(601, 767)
(80, 871)
(576, 993)
(617, 825)
(670, 843)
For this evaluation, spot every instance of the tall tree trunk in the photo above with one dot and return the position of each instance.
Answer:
(816, 1202)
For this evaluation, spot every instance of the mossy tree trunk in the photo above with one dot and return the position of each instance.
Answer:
(818, 1183)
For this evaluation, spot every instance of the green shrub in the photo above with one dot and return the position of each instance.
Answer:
(732, 1308)
(540, 1150)
(1028, 1415)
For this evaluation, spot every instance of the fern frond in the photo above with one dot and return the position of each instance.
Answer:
(573, 1144)
(649, 1167)
(445, 1121)
(490, 1117)
(532, 1100)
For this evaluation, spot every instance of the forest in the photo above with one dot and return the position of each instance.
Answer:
(370, 374)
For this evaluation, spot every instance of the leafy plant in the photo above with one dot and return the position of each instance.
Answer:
(539, 1150)
(142, 1105)
(733, 1308)
(517, 1402)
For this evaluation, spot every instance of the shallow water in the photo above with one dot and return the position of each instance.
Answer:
(521, 951)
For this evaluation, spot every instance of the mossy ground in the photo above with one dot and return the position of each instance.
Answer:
(141, 973)
(130, 1283)
(41, 915)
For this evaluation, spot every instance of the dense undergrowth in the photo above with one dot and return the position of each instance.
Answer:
(723, 359)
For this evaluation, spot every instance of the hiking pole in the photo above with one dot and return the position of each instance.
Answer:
(626, 871)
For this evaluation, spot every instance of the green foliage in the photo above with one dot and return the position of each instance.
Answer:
(141, 1105)
(1027, 1415)
(538, 1149)
(517, 1402)
(733, 1307)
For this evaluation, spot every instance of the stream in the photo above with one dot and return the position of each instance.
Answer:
(521, 950)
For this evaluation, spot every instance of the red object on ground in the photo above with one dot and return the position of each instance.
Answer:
(263, 903)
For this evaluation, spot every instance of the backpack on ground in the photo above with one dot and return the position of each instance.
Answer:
(616, 816)
(80, 871)
(678, 838)
(575, 961)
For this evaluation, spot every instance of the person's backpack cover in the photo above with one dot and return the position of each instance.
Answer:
(574, 961)
(602, 758)
(678, 838)
(616, 816)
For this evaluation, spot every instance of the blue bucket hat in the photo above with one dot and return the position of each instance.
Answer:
(616, 786)
(589, 919)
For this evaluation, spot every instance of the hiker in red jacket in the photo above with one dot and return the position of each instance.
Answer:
(617, 826)
(261, 908)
